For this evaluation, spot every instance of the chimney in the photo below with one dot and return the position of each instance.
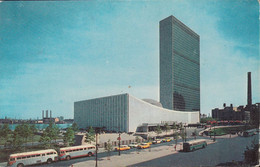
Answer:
(224, 105)
(249, 92)
(50, 113)
(42, 114)
(46, 113)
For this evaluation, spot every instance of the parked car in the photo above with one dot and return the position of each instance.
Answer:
(163, 140)
(143, 145)
(149, 142)
(157, 141)
(122, 148)
(133, 145)
(168, 139)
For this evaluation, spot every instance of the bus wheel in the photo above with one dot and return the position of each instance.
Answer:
(203, 146)
(193, 149)
(49, 161)
(68, 158)
(20, 165)
(90, 154)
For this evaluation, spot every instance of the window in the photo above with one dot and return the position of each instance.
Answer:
(38, 155)
(33, 155)
(12, 159)
(43, 154)
(85, 148)
(19, 158)
(23, 157)
(81, 149)
(28, 156)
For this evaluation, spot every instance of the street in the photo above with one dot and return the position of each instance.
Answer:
(224, 150)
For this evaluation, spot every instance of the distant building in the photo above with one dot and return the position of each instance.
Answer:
(230, 113)
(179, 66)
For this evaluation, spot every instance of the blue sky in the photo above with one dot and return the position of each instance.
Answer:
(55, 53)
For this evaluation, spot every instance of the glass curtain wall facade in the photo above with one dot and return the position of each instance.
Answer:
(179, 66)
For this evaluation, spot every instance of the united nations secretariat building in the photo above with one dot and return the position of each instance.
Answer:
(179, 88)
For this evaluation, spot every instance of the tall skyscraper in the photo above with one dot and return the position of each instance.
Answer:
(179, 66)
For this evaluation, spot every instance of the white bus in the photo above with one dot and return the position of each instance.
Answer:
(67, 153)
(33, 157)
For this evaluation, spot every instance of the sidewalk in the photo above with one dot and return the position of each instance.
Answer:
(134, 157)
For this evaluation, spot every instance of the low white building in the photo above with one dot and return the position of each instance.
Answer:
(125, 113)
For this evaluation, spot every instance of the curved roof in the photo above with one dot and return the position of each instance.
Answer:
(153, 102)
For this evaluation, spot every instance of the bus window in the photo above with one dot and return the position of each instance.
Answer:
(38, 155)
(19, 158)
(81, 149)
(23, 157)
(29, 156)
(85, 148)
(43, 154)
(12, 159)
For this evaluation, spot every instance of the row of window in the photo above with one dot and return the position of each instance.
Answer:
(32, 156)
(80, 149)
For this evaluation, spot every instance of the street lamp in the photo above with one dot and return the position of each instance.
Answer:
(97, 130)
(119, 138)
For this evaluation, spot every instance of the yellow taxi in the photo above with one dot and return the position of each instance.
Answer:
(143, 145)
(168, 139)
(150, 142)
(122, 148)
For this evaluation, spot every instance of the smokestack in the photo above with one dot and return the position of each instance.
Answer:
(249, 92)
(224, 105)
(50, 113)
(42, 114)
(46, 113)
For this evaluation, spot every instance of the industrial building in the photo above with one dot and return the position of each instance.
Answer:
(179, 88)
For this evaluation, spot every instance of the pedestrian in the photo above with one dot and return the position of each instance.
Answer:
(175, 147)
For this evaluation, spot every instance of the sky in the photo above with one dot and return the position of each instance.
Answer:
(55, 53)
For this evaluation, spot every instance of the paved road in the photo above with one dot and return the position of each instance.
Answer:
(225, 150)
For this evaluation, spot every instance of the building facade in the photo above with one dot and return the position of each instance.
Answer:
(125, 113)
(179, 66)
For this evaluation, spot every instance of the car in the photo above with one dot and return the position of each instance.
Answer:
(163, 140)
(122, 148)
(143, 145)
(157, 141)
(168, 139)
(133, 145)
(149, 142)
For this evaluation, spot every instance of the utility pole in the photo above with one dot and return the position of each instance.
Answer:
(185, 134)
(119, 138)
(214, 135)
(97, 131)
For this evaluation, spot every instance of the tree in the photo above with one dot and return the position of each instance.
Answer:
(52, 131)
(183, 135)
(167, 127)
(33, 130)
(137, 139)
(90, 135)
(174, 126)
(45, 140)
(158, 130)
(75, 127)
(5, 131)
(69, 136)
(175, 137)
(17, 138)
(108, 148)
(195, 134)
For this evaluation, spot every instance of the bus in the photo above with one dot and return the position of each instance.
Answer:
(194, 144)
(67, 153)
(33, 157)
(250, 132)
